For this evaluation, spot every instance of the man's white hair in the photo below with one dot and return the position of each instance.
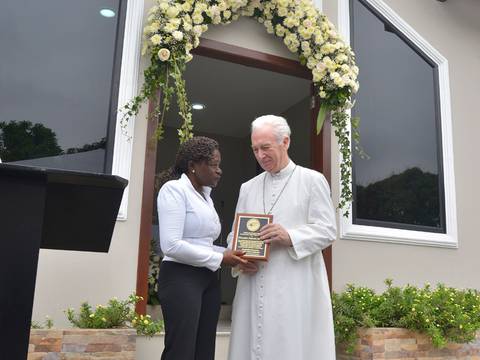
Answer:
(277, 123)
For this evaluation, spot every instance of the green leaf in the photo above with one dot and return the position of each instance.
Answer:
(322, 113)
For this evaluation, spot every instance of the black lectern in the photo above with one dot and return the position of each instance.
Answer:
(52, 209)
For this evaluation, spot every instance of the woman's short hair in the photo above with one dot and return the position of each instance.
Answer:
(279, 125)
(197, 149)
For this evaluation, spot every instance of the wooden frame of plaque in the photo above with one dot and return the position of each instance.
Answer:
(246, 231)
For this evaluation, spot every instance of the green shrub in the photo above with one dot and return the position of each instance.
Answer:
(153, 272)
(47, 324)
(116, 314)
(444, 314)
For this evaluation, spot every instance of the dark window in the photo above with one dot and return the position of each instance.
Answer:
(59, 75)
(400, 183)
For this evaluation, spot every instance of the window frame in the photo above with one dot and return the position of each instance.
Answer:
(449, 239)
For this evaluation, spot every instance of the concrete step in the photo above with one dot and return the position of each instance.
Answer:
(151, 348)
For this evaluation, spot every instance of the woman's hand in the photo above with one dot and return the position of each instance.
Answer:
(233, 257)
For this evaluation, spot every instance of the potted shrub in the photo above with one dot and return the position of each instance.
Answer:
(407, 322)
(103, 332)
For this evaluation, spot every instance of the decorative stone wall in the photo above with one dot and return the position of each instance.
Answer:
(82, 344)
(395, 343)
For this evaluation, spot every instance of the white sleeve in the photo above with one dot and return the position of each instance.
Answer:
(320, 230)
(219, 249)
(171, 204)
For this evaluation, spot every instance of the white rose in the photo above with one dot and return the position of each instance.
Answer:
(154, 26)
(307, 23)
(318, 39)
(186, 7)
(339, 82)
(169, 27)
(341, 58)
(317, 75)
(163, 54)
(201, 6)
(156, 39)
(187, 26)
(282, 11)
(222, 6)
(197, 18)
(172, 12)
(176, 22)
(334, 75)
(213, 11)
(227, 14)
(280, 30)
(197, 30)
(293, 48)
(177, 35)
(164, 6)
(311, 63)
(290, 22)
(321, 66)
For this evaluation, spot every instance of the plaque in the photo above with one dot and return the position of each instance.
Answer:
(246, 235)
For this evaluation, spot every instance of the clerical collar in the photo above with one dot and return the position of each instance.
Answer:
(286, 171)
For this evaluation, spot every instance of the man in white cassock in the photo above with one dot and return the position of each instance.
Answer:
(282, 308)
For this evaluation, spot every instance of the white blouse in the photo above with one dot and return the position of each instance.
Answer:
(188, 225)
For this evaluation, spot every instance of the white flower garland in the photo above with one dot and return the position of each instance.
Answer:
(174, 28)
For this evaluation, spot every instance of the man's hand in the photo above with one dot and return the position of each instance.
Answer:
(275, 234)
(248, 268)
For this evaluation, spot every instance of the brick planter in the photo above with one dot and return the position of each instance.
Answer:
(82, 344)
(395, 343)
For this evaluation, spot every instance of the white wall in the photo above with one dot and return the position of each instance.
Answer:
(250, 34)
(453, 29)
(299, 119)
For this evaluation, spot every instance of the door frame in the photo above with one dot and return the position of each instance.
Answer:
(320, 146)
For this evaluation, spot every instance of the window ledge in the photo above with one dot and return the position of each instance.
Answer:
(349, 231)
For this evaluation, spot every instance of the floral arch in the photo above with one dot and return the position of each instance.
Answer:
(174, 28)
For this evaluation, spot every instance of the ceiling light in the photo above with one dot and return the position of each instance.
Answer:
(108, 13)
(198, 106)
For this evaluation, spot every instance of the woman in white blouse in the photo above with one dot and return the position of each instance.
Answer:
(188, 287)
